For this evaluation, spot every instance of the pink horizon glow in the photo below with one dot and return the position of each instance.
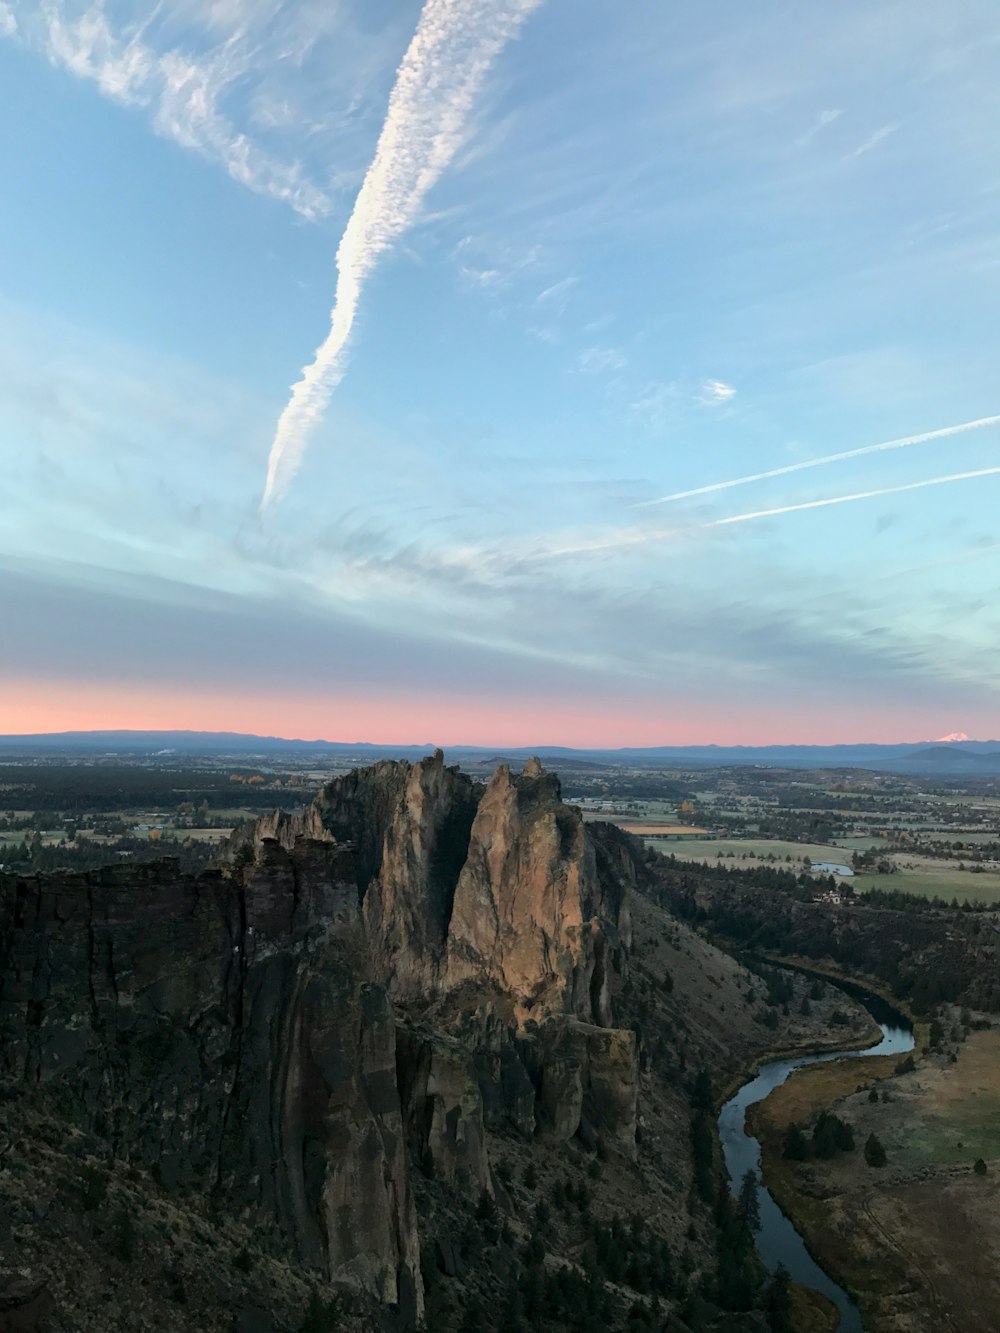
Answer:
(30, 707)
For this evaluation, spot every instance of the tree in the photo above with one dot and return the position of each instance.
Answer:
(701, 1091)
(750, 1201)
(831, 1136)
(702, 1152)
(796, 1146)
(778, 1302)
(979, 1167)
(874, 1152)
(322, 1316)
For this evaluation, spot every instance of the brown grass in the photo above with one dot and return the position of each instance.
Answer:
(918, 1242)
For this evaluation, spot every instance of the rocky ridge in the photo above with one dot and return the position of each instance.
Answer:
(378, 981)
(408, 1058)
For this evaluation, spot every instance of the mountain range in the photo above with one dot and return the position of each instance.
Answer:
(959, 757)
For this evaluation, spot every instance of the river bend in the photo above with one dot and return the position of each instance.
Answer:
(778, 1242)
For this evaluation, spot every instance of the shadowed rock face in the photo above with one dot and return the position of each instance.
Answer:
(360, 991)
(226, 1032)
(409, 901)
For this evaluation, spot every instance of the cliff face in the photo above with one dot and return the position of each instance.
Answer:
(504, 888)
(363, 991)
(531, 915)
(226, 1033)
(409, 900)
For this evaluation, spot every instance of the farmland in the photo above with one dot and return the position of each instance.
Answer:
(930, 839)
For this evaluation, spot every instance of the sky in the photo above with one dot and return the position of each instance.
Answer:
(501, 371)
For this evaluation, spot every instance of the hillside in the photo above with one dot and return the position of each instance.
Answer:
(426, 1053)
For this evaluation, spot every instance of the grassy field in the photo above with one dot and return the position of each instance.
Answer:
(49, 836)
(734, 849)
(938, 880)
(924, 876)
(919, 1241)
(961, 1114)
(650, 827)
(204, 834)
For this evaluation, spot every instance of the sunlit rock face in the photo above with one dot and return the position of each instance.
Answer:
(531, 914)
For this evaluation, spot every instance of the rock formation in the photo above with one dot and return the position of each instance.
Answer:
(225, 1032)
(531, 915)
(360, 991)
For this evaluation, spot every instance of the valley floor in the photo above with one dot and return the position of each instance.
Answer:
(918, 1240)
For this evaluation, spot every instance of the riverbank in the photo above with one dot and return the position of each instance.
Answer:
(917, 1242)
(810, 1312)
(843, 1039)
(866, 985)
(854, 1042)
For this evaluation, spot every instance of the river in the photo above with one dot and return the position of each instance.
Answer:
(778, 1242)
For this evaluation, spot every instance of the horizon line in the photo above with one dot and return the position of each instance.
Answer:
(487, 745)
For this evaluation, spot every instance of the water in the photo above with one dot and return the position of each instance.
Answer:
(777, 1240)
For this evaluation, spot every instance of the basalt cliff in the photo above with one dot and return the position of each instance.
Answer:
(369, 984)
(346, 1066)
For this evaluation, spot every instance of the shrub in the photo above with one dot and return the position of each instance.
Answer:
(874, 1152)
(93, 1188)
(323, 1316)
(123, 1237)
(796, 1146)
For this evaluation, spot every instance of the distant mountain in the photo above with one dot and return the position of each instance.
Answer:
(972, 757)
(955, 756)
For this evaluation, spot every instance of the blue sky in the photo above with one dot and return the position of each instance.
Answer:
(654, 249)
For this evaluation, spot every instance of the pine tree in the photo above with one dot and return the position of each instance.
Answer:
(750, 1201)
(874, 1152)
(796, 1146)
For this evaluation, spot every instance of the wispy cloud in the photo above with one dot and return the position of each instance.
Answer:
(873, 140)
(903, 442)
(181, 90)
(455, 43)
(599, 360)
(822, 120)
(715, 393)
(655, 403)
(642, 536)
(556, 297)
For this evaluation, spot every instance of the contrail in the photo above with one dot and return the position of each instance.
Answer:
(858, 495)
(640, 536)
(902, 443)
(452, 49)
